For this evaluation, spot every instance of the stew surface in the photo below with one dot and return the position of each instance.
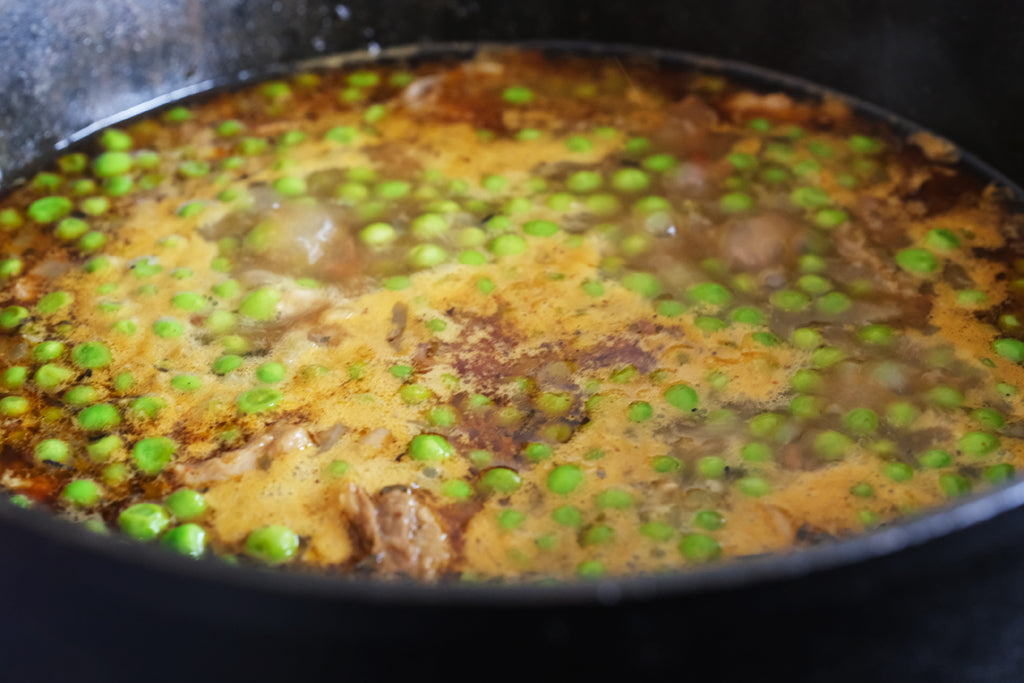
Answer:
(514, 317)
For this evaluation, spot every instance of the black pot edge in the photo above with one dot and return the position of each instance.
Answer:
(961, 515)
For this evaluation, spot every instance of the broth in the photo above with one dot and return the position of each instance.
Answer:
(512, 317)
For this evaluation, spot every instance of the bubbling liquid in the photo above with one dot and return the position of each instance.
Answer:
(515, 317)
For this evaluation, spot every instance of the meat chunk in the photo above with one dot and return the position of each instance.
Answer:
(398, 530)
(756, 242)
(281, 439)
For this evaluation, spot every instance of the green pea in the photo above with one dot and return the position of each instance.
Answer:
(644, 284)
(584, 181)
(989, 418)
(12, 316)
(978, 443)
(82, 493)
(48, 350)
(941, 238)
(945, 397)
(830, 218)
(710, 293)
(481, 458)
(834, 303)
(659, 163)
(831, 444)
(259, 400)
(511, 519)
(578, 143)
(748, 315)
(935, 458)
(712, 467)
(507, 245)
(710, 520)
(863, 144)
(186, 383)
(147, 407)
(630, 180)
(517, 94)
(598, 534)
(789, 300)
(14, 377)
(53, 451)
(765, 425)
(1011, 349)
(809, 197)
(806, 381)
(736, 202)
(14, 406)
(916, 261)
(640, 411)
(658, 531)
(457, 489)
(540, 228)
(99, 418)
(430, 447)
(755, 487)
(50, 376)
(666, 463)
(70, 229)
(143, 521)
(827, 356)
(271, 373)
(152, 454)
(501, 479)
(101, 449)
(668, 309)
(80, 396)
(274, 544)
(591, 569)
(187, 539)
(91, 355)
(603, 204)
(168, 328)
(742, 161)
(110, 164)
(400, 371)
(861, 421)
(682, 397)
(378, 234)
(260, 304)
(472, 257)
(564, 479)
(999, 473)
(756, 452)
(414, 393)
(954, 484)
(878, 334)
(699, 548)
(426, 256)
(898, 471)
(10, 268)
(537, 451)
(227, 363)
(614, 498)
(568, 515)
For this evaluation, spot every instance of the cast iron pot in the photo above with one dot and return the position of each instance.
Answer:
(936, 598)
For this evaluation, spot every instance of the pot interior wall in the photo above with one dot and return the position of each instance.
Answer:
(950, 66)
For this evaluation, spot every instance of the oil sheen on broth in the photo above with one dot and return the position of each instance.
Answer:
(505, 318)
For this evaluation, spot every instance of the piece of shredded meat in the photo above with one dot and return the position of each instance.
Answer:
(398, 530)
(281, 439)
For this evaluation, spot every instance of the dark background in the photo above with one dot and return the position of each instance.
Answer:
(952, 610)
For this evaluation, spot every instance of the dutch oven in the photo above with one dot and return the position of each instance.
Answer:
(937, 598)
